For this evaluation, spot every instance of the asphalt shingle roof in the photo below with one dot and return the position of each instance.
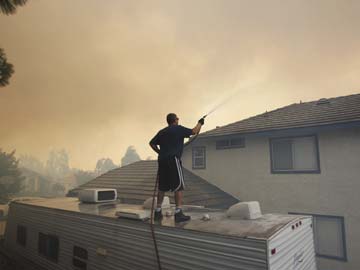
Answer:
(315, 113)
(135, 183)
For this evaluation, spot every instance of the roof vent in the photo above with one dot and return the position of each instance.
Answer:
(94, 195)
(244, 210)
(322, 101)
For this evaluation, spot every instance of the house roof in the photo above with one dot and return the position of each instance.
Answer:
(305, 114)
(135, 183)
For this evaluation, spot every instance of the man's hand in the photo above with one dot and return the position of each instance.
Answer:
(155, 148)
(197, 128)
(201, 121)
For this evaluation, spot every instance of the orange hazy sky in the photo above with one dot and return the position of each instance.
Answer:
(94, 76)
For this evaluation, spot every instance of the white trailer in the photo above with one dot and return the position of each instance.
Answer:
(67, 234)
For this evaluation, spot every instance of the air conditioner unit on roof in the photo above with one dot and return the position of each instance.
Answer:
(94, 195)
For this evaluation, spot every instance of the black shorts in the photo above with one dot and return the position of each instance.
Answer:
(170, 174)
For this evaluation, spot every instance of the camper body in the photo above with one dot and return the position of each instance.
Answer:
(67, 234)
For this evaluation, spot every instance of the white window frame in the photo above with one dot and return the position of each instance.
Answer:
(194, 166)
(279, 171)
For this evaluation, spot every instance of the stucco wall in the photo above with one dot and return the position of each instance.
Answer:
(245, 173)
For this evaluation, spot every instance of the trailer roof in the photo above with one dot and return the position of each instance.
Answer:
(261, 228)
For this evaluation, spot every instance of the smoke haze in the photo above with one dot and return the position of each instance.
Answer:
(96, 76)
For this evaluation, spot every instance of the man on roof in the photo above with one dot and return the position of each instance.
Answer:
(168, 143)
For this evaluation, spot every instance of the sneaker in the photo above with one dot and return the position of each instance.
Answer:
(158, 216)
(180, 217)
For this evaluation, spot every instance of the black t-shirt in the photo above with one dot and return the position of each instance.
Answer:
(171, 140)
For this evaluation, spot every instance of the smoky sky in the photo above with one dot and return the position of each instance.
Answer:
(94, 76)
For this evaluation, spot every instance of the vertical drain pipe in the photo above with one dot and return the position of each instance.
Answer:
(152, 222)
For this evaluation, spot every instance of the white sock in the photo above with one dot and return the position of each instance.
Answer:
(177, 210)
(158, 209)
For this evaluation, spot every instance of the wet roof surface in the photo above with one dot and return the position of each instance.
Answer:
(263, 227)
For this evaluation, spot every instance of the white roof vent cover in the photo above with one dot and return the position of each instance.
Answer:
(244, 210)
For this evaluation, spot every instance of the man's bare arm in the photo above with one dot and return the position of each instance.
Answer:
(197, 128)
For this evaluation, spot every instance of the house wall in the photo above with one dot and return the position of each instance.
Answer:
(246, 174)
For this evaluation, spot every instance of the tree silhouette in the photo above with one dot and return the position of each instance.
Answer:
(9, 7)
(10, 175)
(57, 165)
(83, 177)
(32, 163)
(130, 156)
(104, 165)
(6, 69)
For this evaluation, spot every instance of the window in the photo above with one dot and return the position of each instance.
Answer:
(198, 157)
(80, 256)
(329, 234)
(294, 155)
(48, 246)
(21, 235)
(230, 143)
(80, 252)
(330, 237)
(79, 264)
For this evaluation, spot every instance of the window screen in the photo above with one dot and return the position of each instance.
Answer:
(282, 155)
(222, 144)
(237, 142)
(80, 252)
(21, 235)
(42, 244)
(230, 143)
(53, 247)
(330, 237)
(298, 154)
(80, 255)
(198, 157)
(48, 246)
(79, 264)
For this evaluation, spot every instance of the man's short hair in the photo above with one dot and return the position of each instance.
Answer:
(171, 118)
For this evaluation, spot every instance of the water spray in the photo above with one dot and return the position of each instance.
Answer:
(221, 104)
(215, 108)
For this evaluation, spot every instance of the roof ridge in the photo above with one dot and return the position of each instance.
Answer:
(255, 116)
